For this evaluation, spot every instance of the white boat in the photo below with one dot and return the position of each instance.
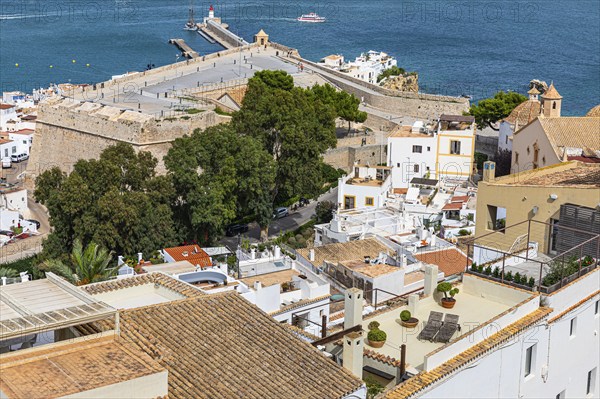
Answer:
(311, 17)
(191, 24)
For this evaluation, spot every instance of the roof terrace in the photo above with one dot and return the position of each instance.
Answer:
(483, 307)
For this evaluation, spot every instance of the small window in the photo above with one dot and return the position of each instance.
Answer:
(506, 140)
(591, 381)
(554, 105)
(597, 308)
(14, 150)
(516, 157)
(573, 327)
(416, 168)
(428, 148)
(398, 164)
(417, 149)
(369, 201)
(561, 395)
(454, 147)
(529, 361)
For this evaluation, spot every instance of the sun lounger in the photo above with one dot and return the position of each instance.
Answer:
(449, 327)
(432, 327)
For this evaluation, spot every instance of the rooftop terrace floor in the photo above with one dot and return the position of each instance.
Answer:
(472, 310)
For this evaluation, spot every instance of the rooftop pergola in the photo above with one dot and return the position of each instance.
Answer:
(44, 305)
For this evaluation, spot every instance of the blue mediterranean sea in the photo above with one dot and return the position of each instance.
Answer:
(470, 47)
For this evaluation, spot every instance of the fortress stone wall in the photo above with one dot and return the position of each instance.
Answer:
(68, 130)
(345, 157)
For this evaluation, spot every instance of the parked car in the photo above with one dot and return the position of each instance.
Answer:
(36, 222)
(6, 163)
(280, 212)
(19, 157)
(235, 229)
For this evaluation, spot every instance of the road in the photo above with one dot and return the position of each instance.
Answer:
(288, 223)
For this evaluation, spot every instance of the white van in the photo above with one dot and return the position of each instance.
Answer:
(19, 157)
(6, 163)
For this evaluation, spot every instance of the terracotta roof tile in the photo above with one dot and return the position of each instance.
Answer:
(70, 368)
(298, 304)
(192, 253)
(594, 112)
(453, 206)
(340, 252)
(551, 93)
(171, 283)
(223, 347)
(416, 384)
(450, 260)
(572, 132)
(524, 113)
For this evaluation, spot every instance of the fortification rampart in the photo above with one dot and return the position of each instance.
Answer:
(68, 131)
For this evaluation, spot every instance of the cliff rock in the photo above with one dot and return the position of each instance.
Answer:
(408, 82)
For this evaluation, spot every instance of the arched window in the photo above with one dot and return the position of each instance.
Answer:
(554, 105)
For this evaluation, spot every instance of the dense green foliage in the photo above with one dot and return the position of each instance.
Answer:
(324, 211)
(446, 288)
(491, 110)
(85, 266)
(503, 159)
(393, 71)
(115, 201)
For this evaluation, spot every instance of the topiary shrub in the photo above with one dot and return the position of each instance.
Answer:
(464, 232)
(447, 290)
(405, 315)
(524, 280)
(291, 242)
(299, 237)
(488, 270)
(496, 272)
(517, 278)
(508, 276)
(474, 266)
(531, 282)
(374, 325)
(377, 335)
(480, 268)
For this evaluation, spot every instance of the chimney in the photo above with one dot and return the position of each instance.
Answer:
(413, 303)
(140, 257)
(253, 253)
(24, 276)
(311, 255)
(489, 171)
(3, 278)
(120, 260)
(353, 307)
(431, 273)
(257, 285)
(277, 251)
(353, 353)
(433, 240)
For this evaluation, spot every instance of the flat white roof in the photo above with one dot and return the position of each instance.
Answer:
(46, 304)
(182, 266)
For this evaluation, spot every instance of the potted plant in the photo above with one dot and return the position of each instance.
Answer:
(448, 300)
(407, 320)
(374, 325)
(376, 338)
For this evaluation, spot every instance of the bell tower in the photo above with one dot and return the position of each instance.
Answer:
(551, 102)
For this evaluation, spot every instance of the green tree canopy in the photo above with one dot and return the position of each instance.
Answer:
(490, 110)
(115, 201)
(346, 105)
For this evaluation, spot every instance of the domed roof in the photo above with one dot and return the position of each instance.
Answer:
(551, 93)
(594, 112)
(524, 113)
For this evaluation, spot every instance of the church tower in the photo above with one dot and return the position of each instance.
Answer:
(551, 102)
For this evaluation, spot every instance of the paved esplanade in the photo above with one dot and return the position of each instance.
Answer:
(146, 92)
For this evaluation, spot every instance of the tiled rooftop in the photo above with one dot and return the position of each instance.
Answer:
(369, 270)
(70, 368)
(271, 278)
(161, 279)
(450, 261)
(191, 253)
(352, 250)
(575, 174)
(221, 346)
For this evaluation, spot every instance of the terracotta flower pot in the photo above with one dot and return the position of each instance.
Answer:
(448, 303)
(410, 323)
(376, 344)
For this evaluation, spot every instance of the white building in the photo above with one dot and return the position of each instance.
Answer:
(333, 61)
(368, 66)
(22, 139)
(8, 113)
(7, 148)
(367, 187)
(445, 154)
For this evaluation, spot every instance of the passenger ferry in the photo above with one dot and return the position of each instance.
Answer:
(311, 17)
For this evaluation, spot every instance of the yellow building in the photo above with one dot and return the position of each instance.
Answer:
(532, 195)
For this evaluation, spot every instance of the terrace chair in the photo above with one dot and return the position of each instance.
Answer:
(434, 323)
(448, 329)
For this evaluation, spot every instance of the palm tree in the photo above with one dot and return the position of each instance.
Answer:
(89, 265)
(8, 272)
